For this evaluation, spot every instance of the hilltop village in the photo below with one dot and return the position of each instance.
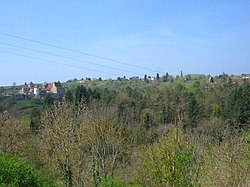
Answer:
(31, 90)
(58, 89)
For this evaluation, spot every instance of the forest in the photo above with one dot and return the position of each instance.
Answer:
(129, 133)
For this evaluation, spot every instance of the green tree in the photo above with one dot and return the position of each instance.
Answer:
(223, 77)
(148, 118)
(108, 142)
(68, 96)
(49, 101)
(157, 77)
(16, 172)
(193, 112)
(238, 105)
(165, 77)
(170, 162)
(188, 77)
(195, 86)
(35, 120)
(145, 78)
(215, 110)
(80, 94)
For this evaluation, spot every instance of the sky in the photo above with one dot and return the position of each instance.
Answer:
(60, 40)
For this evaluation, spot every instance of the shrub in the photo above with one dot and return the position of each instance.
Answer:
(170, 162)
(17, 172)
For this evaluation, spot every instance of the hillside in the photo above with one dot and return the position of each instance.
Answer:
(182, 131)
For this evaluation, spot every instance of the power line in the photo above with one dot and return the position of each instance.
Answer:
(76, 51)
(54, 62)
(65, 57)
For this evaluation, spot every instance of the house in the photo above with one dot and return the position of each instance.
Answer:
(211, 80)
(83, 81)
(239, 80)
(153, 79)
(27, 89)
(53, 88)
(30, 85)
(37, 91)
(230, 80)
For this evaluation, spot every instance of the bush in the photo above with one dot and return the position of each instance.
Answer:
(17, 172)
(170, 162)
(115, 182)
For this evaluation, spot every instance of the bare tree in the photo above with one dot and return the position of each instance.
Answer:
(228, 164)
(61, 140)
(108, 142)
(13, 135)
(78, 144)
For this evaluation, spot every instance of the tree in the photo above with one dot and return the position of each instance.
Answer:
(49, 101)
(108, 142)
(227, 164)
(35, 120)
(215, 110)
(68, 96)
(80, 94)
(238, 106)
(61, 141)
(193, 112)
(1, 90)
(157, 77)
(145, 78)
(223, 77)
(170, 162)
(73, 140)
(14, 135)
(167, 75)
(17, 172)
(148, 118)
(164, 78)
(188, 77)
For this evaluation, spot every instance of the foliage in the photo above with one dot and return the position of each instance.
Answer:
(49, 101)
(108, 143)
(227, 164)
(238, 105)
(94, 135)
(13, 135)
(35, 120)
(73, 140)
(115, 182)
(193, 112)
(59, 142)
(16, 172)
(170, 162)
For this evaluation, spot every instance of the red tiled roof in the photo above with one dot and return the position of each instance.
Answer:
(49, 86)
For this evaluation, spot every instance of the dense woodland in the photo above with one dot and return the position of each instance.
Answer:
(170, 132)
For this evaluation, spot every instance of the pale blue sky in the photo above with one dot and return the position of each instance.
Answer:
(195, 36)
